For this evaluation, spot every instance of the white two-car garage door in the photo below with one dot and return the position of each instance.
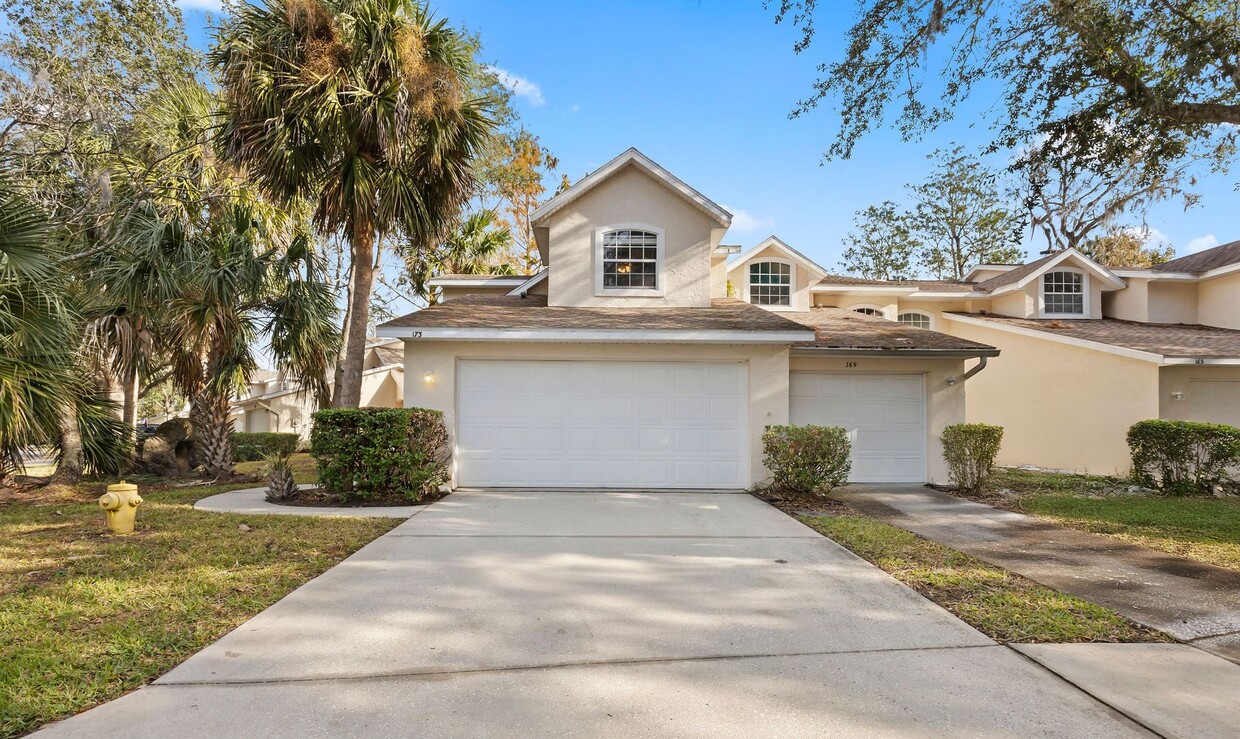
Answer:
(602, 424)
(885, 416)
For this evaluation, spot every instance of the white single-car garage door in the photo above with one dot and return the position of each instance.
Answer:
(1214, 401)
(885, 416)
(602, 424)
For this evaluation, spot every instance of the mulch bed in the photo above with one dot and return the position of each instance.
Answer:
(795, 503)
(319, 498)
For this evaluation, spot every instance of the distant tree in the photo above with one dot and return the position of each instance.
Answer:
(478, 246)
(1072, 204)
(881, 245)
(1095, 74)
(961, 216)
(1128, 246)
(514, 177)
(160, 400)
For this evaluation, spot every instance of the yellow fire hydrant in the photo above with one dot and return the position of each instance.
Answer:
(121, 504)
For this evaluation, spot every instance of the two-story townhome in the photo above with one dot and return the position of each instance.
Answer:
(1086, 350)
(625, 363)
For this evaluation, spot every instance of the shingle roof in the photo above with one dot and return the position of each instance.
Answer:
(839, 328)
(1167, 339)
(1203, 261)
(929, 285)
(389, 355)
(1013, 276)
(508, 278)
(532, 312)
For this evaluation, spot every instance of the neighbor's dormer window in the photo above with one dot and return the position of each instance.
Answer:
(1063, 294)
(770, 283)
(630, 260)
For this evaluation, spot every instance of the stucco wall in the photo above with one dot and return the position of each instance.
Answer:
(1061, 406)
(1018, 304)
(630, 198)
(1219, 301)
(945, 405)
(1172, 302)
(768, 374)
(448, 293)
(291, 412)
(1215, 402)
(739, 274)
(1131, 303)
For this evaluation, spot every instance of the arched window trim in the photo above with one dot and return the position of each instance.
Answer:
(630, 292)
(858, 307)
(1085, 300)
(792, 282)
(916, 311)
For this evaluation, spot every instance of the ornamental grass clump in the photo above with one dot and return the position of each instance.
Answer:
(376, 454)
(970, 450)
(278, 469)
(807, 459)
(1184, 457)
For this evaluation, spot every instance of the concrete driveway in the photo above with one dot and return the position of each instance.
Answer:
(613, 614)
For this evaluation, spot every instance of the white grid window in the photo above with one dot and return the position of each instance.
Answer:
(869, 312)
(630, 259)
(1063, 294)
(770, 283)
(915, 318)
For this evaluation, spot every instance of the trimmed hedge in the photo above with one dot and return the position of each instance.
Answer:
(380, 453)
(807, 459)
(1183, 457)
(970, 450)
(250, 446)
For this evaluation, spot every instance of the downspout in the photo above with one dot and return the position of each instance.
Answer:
(981, 365)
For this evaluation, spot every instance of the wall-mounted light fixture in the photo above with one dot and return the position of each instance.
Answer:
(951, 381)
(429, 376)
(1177, 395)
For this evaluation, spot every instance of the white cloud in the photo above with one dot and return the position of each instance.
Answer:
(1201, 243)
(745, 222)
(520, 86)
(207, 6)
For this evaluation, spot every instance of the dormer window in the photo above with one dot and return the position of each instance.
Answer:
(630, 259)
(1063, 293)
(770, 283)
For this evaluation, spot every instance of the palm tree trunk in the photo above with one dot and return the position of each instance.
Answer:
(213, 435)
(362, 277)
(129, 408)
(72, 456)
(338, 370)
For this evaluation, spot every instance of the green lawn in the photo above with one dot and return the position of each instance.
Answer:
(1205, 529)
(303, 468)
(85, 618)
(1004, 606)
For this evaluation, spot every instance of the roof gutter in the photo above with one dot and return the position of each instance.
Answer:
(835, 351)
(981, 365)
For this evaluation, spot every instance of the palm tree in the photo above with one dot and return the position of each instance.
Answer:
(478, 246)
(364, 107)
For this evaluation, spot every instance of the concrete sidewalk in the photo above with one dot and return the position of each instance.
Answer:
(607, 614)
(1192, 601)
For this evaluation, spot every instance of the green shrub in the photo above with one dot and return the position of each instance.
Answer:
(250, 446)
(970, 450)
(278, 469)
(807, 459)
(1183, 457)
(380, 453)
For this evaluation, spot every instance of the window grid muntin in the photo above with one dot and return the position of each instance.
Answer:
(869, 312)
(1063, 294)
(630, 259)
(915, 319)
(770, 283)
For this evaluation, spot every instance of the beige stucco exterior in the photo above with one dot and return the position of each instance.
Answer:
(1219, 301)
(1061, 406)
(1205, 393)
(290, 412)
(1172, 302)
(450, 292)
(631, 198)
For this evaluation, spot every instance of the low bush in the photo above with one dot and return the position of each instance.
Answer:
(807, 459)
(278, 469)
(970, 450)
(251, 446)
(1183, 457)
(380, 453)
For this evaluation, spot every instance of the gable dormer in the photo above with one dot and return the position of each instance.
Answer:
(630, 234)
(1065, 285)
(775, 276)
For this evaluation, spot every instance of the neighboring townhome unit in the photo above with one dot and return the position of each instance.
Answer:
(625, 363)
(1086, 350)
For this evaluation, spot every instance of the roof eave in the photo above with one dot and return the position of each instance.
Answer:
(922, 353)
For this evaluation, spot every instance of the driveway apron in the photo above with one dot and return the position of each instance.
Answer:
(603, 613)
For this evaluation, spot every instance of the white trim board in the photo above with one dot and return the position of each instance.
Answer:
(776, 243)
(529, 282)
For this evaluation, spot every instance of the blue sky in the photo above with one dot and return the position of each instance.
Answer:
(704, 87)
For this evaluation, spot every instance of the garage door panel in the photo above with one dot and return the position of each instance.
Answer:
(1214, 401)
(621, 424)
(883, 414)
